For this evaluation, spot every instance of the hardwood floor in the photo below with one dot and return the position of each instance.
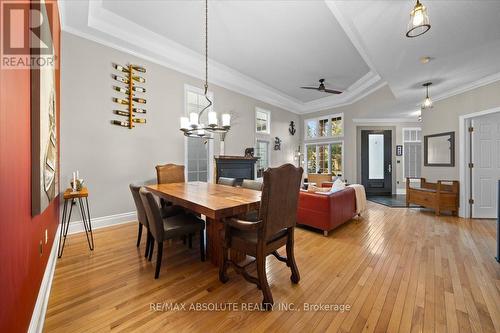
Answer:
(399, 270)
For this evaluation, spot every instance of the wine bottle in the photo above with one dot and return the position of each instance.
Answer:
(120, 89)
(119, 78)
(139, 120)
(120, 101)
(139, 68)
(139, 89)
(138, 79)
(121, 113)
(139, 100)
(120, 123)
(120, 68)
(137, 110)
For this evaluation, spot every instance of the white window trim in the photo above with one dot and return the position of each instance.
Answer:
(268, 154)
(403, 156)
(329, 117)
(268, 131)
(329, 160)
(211, 159)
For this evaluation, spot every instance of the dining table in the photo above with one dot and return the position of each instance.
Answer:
(215, 202)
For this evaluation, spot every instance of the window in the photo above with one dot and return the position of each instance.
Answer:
(324, 127)
(262, 121)
(262, 152)
(198, 152)
(324, 158)
(412, 148)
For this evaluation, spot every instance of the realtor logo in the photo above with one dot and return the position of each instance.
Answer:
(26, 34)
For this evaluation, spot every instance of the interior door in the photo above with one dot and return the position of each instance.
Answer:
(376, 162)
(486, 169)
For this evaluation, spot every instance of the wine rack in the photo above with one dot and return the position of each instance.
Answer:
(127, 89)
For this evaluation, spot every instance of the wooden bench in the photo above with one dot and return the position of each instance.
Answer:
(440, 196)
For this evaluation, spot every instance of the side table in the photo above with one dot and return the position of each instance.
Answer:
(73, 198)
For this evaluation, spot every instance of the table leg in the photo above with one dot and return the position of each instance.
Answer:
(64, 232)
(215, 229)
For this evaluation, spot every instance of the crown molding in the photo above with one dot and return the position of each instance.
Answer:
(385, 120)
(468, 87)
(109, 29)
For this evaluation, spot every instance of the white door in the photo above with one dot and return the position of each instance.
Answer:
(486, 170)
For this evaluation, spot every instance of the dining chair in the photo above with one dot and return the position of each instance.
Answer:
(226, 181)
(171, 227)
(252, 184)
(166, 174)
(273, 229)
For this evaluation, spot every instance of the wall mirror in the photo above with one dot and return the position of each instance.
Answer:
(439, 149)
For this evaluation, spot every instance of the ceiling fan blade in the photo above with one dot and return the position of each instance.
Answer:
(332, 91)
(313, 88)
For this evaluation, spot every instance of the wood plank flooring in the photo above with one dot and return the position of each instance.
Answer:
(398, 270)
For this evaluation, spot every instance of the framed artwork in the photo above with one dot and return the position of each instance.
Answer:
(44, 138)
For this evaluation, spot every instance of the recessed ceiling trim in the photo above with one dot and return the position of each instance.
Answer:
(384, 120)
(151, 46)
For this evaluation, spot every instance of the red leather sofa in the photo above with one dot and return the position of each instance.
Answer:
(326, 211)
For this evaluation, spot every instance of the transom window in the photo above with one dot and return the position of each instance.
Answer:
(324, 127)
(324, 158)
(262, 121)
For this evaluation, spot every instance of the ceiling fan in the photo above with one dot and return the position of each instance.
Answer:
(322, 88)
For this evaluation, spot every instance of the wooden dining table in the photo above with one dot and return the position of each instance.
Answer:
(214, 201)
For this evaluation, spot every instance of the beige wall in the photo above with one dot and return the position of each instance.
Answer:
(110, 157)
(444, 117)
(375, 103)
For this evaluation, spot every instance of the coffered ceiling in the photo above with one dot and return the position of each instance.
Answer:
(268, 49)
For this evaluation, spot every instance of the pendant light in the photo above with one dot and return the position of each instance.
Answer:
(419, 21)
(427, 104)
(192, 126)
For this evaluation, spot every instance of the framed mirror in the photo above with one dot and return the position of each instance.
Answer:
(439, 149)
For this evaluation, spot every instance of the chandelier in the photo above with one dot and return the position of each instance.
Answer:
(419, 21)
(192, 126)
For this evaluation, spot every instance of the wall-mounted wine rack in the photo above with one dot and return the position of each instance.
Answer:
(130, 78)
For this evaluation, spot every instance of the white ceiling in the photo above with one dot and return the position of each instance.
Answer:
(268, 49)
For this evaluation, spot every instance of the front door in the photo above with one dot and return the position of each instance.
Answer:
(376, 162)
(486, 165)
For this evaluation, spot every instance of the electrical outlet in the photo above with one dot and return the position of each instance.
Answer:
(46, 236)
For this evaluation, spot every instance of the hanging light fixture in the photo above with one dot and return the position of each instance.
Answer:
(192, 126)
(419, 21)
(427, 104)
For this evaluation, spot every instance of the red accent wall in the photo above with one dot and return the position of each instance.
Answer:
(21, 265)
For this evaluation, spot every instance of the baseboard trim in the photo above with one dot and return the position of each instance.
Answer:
(38, 316)
(103, 222)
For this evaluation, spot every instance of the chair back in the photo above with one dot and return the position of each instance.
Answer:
(280, 197)
(153, 214)
(139, 206)
(170, 173)
(252, 184)
(226, 181)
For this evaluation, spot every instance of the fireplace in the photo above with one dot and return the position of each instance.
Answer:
(239, 167)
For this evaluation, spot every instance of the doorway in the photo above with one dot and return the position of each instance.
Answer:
(485, 163)
(376, 161)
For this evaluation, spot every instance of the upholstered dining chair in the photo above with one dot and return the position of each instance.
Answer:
(273, 229)
(141, 215)
(226, 181)
(252, 184)
(171, 227)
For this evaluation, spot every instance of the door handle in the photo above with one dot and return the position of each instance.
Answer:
(389, 168)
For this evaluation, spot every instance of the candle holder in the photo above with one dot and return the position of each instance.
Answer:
(78, 186)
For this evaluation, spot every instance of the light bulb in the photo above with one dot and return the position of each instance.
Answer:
(427, 102)
(184, 123)
(193, 119)
(212, 118)
(226, 119)
(418, 17)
